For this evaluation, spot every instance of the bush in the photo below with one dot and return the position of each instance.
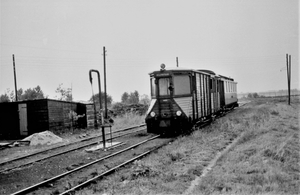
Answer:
(120, 109)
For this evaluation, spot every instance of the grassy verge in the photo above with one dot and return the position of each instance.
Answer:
(120, 122)
(128, 120)
(265, 160)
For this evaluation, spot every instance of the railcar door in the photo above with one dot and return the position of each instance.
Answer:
(165, 93)
(222, 94)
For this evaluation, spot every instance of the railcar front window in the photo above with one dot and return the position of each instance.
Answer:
(182, 85)
(163, 84)
(153, 87)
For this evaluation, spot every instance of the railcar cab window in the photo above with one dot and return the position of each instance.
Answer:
(163, 85)
(182, 85)
(160, 86)
(153, 88)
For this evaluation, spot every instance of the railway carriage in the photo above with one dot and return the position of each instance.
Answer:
(182, 97)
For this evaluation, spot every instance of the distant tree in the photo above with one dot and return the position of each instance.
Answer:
(11, 94)
(28, 94)
(145, 99)
(125, 97)
(255, 95)
(32, 94)
(20, 93)
(4, 98)
(96, 97)
(65, 94)
(133, 98)
(136, 96)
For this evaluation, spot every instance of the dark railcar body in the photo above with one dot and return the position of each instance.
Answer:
(183, 97)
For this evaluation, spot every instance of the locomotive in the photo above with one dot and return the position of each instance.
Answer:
(182, 98)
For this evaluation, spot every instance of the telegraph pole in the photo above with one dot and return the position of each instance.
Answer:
(288, 66)
(15, 77)
(104, 62)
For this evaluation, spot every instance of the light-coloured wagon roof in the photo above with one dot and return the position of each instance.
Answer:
(182, 69)
(202, 71)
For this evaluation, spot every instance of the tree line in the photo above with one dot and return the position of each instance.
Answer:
(65, 94)
(28, 94)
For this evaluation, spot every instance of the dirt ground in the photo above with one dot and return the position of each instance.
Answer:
(22, 150)
(20, 178)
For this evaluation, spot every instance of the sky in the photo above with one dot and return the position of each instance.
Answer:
(59, 41)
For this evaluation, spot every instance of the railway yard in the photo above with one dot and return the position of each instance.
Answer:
(253, 149)
(149, 98)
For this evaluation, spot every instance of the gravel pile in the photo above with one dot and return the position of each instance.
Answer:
(43, 138)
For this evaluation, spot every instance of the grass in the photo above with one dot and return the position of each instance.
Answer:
(265, 160)
(128, 120)
(120, 122)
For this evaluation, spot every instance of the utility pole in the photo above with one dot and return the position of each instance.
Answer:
(105, 104)
(288, 66)
(15, 77)
(177, 61)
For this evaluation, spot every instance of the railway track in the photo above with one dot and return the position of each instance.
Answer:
(51, 182)
(87, 182)
(49, 185)
(49, 153)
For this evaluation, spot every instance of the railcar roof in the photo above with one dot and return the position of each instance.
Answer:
(183, 69)
(179, 69)
(224, 77)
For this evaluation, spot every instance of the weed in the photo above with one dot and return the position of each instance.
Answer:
(170, 177)
(250, 152)
(275, 113)
(55, 192)
(196, 170)
(68, 186)
(82, 180)
(175, 156)
(249, 135)
(294, 128)
(93, 174)
(142, 134)
(141, 170)
(127, 120)
(98, 189)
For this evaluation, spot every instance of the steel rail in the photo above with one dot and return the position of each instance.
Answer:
(63, 152)
(75, 142)
(109, 171)
(126, 162)
(120, 165)
(81, 167)
(83, 140)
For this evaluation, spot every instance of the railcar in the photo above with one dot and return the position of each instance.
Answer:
(182, 97)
